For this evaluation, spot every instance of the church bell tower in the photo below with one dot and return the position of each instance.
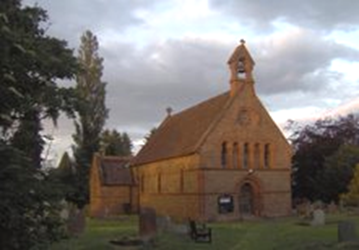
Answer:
(241, 66)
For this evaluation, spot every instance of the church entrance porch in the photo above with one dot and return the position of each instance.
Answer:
(249, 201)
(246, 200)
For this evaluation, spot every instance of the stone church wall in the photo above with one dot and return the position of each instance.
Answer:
(267, 166)
(273, 192)
(170, 187)
(111, 201)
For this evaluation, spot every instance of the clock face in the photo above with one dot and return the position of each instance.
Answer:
(247, 117)
(244, 118)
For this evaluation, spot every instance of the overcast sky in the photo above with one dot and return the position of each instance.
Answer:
(173, 53)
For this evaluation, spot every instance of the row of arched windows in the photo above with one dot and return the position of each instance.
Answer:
(159, 181)
(246, 155)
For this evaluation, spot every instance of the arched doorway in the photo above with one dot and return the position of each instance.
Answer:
(246, 200)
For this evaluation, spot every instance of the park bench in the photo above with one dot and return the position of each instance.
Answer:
(200, 233)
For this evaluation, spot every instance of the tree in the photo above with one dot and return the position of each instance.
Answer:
(115, 143)
(66, 176)
(312, 145)
(150, 134)
(352, 196)
(27, 137)
(338, 171)
(30, 204)
(30, 64)
(91, 110)
(29, 67)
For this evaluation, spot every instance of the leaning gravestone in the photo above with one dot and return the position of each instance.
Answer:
(318, 217)
(346, 231)
(148, 225)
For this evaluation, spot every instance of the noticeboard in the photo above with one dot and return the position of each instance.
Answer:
(225, 204)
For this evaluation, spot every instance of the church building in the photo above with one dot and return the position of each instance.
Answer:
(113, 190)
(222, 159)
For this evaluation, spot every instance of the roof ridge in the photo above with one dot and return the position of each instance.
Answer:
(213, 124)
(195, 106)
(215, 121)
(181, 133)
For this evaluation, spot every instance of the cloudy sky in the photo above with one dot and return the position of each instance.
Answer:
(173, 53)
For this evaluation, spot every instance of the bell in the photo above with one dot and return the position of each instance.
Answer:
(241, 69)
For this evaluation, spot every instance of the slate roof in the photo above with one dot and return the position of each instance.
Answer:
(182, 133)
(115, 171)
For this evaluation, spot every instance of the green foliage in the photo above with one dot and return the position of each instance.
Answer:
(352, 196)
(65, 174)
(338, 171)
(114, 143)
(91, 111)
(29, 207)
(28, 139)
(312, 145)
(30, 64)
(150, 134)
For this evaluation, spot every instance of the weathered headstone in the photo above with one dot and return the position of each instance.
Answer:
(318, 217)
(181, 229)
(65, 210)
(148, 225)
(332, 208)
(346, 231)
(163, 223)
(76, 222)
(304, 209)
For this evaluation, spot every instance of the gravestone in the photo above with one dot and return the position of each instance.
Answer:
(163, 223)
(332, 208)
(318, 217)
(148, 225)
(76, 222)
(346, 231)
(65, 210)
(304, 209)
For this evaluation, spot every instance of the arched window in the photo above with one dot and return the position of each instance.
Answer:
(235, 155)
(159, 179)
(245, 155)
(181, 181)
(224, 155)
(256, 156)
(142, 184)
(267, 155)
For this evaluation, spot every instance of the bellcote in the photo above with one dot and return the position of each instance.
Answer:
(241, 66)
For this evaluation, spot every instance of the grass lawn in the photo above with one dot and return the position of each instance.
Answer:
(285, 233)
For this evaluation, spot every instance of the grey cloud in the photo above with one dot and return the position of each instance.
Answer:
(141, 84)
(318, 14)
(299, 62)
(68, 19)
(180, 73)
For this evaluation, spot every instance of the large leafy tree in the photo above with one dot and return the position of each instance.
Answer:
(115, 143)
(91, 110)
(313, 145)
(30, 203)
(338, 171)
(30, 64)
(352, 196)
